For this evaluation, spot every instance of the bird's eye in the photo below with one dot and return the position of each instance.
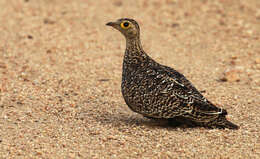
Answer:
(125, 25)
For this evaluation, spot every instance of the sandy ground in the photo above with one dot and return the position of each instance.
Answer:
(60, 74)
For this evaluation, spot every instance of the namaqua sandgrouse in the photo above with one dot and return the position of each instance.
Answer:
(158, 91)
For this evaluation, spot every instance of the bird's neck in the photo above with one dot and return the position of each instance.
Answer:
(135, 56)
(134, 48)
(133, 44)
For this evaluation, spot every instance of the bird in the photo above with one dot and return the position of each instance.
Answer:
(157, 91)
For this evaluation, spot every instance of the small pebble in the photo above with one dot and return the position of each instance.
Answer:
(231, 75)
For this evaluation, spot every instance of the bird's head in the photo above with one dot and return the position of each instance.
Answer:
(128, 27)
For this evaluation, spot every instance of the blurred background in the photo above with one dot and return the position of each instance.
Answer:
(60, 76)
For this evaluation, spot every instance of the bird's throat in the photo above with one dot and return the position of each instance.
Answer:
(134, 54)
(134, 46)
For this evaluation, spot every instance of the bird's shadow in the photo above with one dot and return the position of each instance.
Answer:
(136, 120)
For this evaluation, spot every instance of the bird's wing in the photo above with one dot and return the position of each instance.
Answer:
(189, 96)
(181, 79)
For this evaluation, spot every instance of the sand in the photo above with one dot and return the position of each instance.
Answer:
(60, 75)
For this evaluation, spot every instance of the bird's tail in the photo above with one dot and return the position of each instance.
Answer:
(222, 123)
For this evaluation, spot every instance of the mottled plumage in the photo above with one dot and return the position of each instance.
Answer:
(158, 91)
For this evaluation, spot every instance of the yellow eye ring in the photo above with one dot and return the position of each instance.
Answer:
(125, 25)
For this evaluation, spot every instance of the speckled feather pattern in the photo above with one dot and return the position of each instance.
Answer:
(158, 91)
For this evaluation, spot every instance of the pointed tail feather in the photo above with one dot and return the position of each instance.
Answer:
(222, 122)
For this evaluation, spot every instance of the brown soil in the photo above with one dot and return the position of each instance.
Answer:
(60, 74)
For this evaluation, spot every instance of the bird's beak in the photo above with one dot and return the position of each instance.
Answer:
(113, 24)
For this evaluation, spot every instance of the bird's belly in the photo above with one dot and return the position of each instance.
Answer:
(148, 102)
(135, 97)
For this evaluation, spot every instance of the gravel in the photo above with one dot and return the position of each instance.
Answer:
(60, 74)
